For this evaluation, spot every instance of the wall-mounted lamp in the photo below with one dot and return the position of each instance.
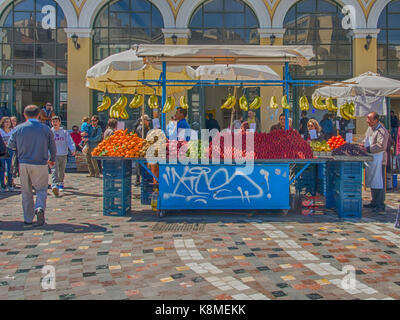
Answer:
(369, 39)
(272, 38)
(174, 38)
(74, 38)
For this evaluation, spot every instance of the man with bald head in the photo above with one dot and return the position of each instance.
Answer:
(375, 142)
(33, 142)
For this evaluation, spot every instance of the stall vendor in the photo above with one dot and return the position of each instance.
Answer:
(314, 130)
(375, 142)
(253, 122)
(281, 124)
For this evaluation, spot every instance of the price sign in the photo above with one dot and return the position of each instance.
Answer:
(253, 127)
(313, 134)
(349, 137)
(121, 125)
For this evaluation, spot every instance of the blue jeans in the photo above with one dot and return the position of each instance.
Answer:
(6, 168)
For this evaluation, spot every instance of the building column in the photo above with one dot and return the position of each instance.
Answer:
(364, 60)
(268, 116)
(182, 36)
(79, 61)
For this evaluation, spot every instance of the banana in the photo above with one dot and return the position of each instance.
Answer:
(136, 102)
(318, 104)
(273, 103)
(285, 104)
(153, 102)
(169, 105)
(343, 113)
(304, 104)
(243, 104)
(349, 110)
(256, 104)
(229, 103)
(105, 104)
(330, 106)
(121, 103)
(183, 102)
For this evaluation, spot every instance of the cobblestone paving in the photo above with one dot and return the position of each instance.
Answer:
(193, 255)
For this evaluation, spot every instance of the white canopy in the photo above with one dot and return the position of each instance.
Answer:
(236, 72)
(122, 72)
(367, 84)
(196, 55)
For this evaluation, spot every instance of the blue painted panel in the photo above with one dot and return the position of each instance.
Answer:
(223, 187)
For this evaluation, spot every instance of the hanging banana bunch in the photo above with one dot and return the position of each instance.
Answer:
(117, 108)
(229, 103)
(183, 102)
(285, 104)
(273, 103)
(105, 104)
(304, 104)
(319, 104)
(153, 102)
(243, 104)
(256, 104)
(347, 111)
(136, 102)
(330, 106)
(169, 105)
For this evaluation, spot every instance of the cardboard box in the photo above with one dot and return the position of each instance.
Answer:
(81, 164)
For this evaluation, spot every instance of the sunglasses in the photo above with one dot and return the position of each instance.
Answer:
(94, 120)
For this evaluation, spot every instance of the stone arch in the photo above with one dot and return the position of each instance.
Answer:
(285, 5)
(189, 6)
(375, 13)
(92, 8)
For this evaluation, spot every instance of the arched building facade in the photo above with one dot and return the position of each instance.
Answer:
(38, 52)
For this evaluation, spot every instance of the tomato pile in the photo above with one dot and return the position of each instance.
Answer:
(336, 142)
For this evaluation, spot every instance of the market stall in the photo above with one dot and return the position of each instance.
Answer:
(228, 185)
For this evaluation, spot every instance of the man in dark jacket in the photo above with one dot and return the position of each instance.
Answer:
(33, 142)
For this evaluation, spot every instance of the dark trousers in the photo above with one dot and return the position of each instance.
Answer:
(378, 195)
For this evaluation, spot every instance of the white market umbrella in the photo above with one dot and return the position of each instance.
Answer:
(241, 72)
(366, 84)
(236, 72)
(122, 72)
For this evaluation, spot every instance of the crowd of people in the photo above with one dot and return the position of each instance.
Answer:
(39, 146)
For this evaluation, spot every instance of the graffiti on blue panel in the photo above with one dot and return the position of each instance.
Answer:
(202, 184)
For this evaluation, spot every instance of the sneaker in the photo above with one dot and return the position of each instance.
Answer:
(90, 176)
(61, 187)
(28, 223)
(379, 210)
(55, 191)
(10, 188)
(370, 206)
(40, 216)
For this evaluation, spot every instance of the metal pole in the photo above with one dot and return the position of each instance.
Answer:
(287, 76)
(164, 94)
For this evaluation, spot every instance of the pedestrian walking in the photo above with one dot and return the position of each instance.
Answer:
(93, 138)
(64, 143)
(6, 169)
(33, 142)
(375, 142)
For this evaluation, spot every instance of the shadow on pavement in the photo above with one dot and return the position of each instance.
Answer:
(61, 227)
(256, 216)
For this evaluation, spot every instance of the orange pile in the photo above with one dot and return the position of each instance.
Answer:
(120, 144)
(336, 142)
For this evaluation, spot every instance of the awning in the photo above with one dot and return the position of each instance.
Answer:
(196, 55)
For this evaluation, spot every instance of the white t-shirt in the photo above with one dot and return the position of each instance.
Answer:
(6, 136)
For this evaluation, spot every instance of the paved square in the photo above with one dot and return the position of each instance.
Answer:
(194, 255)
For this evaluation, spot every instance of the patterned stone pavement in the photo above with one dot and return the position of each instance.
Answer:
(194, 255)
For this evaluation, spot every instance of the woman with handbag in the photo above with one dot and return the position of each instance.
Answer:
(5, 132)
